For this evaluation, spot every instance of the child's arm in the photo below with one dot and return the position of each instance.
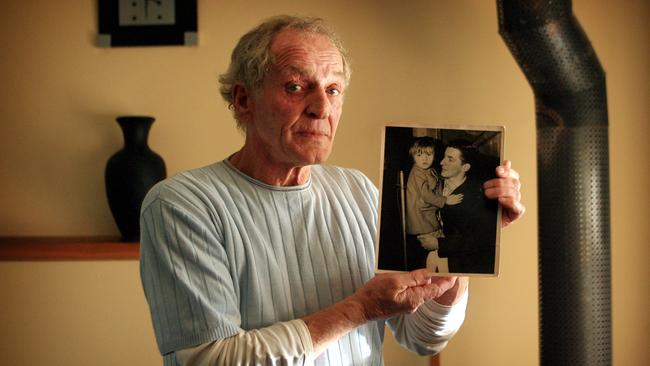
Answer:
(428, 196)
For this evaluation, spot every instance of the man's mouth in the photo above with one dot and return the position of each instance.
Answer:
(312, 133)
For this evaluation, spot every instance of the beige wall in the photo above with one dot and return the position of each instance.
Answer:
(414, 61)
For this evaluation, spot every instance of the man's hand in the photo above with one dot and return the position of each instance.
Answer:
(384, 296)
(506, 188)
(390, 294)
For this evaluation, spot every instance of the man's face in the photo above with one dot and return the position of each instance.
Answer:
(423, 159)
(452, 165)
(294, 115)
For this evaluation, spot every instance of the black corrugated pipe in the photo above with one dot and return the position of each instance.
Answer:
(554, 53)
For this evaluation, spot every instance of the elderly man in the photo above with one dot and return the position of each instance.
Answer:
(267, 256)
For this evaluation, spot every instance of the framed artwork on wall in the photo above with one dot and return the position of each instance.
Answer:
(131, 23)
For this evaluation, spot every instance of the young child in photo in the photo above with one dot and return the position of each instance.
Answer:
(422, 204)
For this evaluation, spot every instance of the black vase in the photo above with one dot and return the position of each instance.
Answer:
(130, 173)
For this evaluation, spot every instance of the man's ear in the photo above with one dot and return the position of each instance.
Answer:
(240, 99)
(466, 167)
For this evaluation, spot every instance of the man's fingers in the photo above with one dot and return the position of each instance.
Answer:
(511, 210)
(426, 277)
(505, 170)
(420, 277)
(512, 206)
(502, 182)
(503, 192)
(506, 188)
(444, 282)
(436, 288)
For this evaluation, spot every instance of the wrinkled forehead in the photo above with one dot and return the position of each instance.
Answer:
(302, 51)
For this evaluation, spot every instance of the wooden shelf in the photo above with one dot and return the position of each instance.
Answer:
(23, 248)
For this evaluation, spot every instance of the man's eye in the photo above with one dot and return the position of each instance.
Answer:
(294, 88)
(333, 91)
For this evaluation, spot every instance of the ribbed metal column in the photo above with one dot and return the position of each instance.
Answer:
(573, 178)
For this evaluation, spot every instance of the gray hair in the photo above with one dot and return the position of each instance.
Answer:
(251, 59)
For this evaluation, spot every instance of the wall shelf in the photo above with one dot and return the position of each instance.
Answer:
(87, 248)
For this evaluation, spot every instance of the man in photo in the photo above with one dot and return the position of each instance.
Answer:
(469, 228)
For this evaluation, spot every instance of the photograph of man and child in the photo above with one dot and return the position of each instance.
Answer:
(433, 210)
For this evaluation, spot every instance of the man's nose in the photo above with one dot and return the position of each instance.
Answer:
(319, 105)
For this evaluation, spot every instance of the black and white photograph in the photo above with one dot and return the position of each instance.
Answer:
(433, 213)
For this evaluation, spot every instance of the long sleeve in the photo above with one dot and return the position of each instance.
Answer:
(286, 343)
(428, 330)
(422, 203)
(428, 191)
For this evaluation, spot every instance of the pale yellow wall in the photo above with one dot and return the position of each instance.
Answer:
(414, 61)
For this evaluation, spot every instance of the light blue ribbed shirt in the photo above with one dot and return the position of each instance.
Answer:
(222, 252)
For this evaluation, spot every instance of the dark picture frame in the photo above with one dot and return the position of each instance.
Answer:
(183, 31)
(473, 220)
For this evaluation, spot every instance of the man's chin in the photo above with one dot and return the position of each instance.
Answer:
(319, 159)
(313, 154)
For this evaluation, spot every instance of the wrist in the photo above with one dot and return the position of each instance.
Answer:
(333, 322)
(354, 310)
